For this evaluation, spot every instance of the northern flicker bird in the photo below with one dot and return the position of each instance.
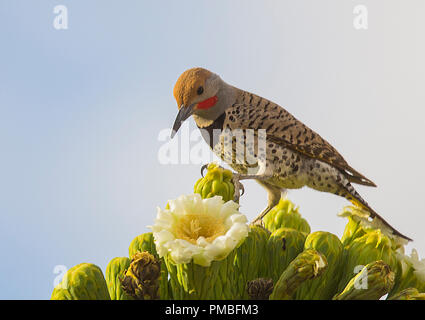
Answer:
(295, 156)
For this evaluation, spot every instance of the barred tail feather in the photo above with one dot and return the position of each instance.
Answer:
(352, 195)
(363, 205)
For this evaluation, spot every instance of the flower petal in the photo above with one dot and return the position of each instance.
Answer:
(174, 228)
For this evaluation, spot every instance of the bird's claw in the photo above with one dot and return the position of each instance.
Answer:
(258, 222)
(238, 187)
(205, 166)
(242, 189)
(203, 169)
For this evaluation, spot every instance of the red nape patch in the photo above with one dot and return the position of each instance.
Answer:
(206, 104)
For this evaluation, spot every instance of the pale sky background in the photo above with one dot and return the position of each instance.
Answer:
(81, 110)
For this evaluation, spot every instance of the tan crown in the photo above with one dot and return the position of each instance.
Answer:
(185, 89)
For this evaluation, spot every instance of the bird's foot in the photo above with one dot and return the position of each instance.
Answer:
(259, 219)
(257, 222)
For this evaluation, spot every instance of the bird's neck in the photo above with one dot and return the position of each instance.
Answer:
(202, 122)
(212, 129)
(227, 96)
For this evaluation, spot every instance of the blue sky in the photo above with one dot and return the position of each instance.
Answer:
(81, 109)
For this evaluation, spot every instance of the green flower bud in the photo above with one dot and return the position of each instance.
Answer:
(408, 294)
(85, 281)
(252, 259)
(309, 264)
(371, 283)
(326, 286)
(141, 280)
(285, 215)
(217, 182)
(370, 247)
(260, 289)
(143, 242)
(115, 271)
(284, 245)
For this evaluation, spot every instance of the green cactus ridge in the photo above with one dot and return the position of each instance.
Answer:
(283, 245)
(252, 259)
(189, 281)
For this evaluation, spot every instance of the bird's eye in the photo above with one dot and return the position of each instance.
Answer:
(200, 90)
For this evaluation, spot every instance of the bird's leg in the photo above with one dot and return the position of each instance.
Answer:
(274, 195)
(239, 186)
(259, 219)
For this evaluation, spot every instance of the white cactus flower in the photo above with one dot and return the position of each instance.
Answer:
(200, 229)
(417, 264)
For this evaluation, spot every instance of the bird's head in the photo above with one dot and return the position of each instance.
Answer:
(201, 93)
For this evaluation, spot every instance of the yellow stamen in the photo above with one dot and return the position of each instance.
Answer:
(191, 226)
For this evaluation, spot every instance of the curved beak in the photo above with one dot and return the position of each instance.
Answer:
(184, 113)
